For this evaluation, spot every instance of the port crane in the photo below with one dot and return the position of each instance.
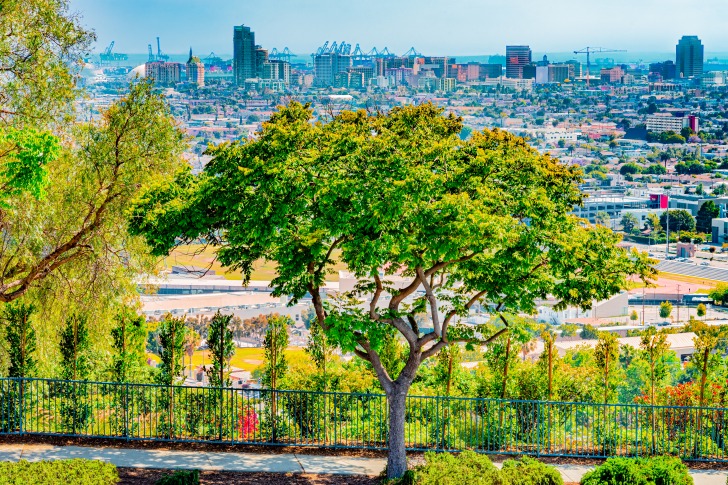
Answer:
(160, 56)
(588, 51)
(108, 56)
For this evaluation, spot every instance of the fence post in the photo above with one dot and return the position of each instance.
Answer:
(126, 411)
(21, 407)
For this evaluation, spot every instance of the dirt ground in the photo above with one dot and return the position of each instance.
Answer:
(137, 476)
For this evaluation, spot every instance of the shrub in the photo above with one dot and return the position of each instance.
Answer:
(181, 477)
(447, 469)
(528, 471)
(88, 472)
(475, 469)
(660, 470)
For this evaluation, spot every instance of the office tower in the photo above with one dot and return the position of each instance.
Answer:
(490, 71)
(517, 57)
(243, 54)
(689, 56)
(261, 58)
(195, 70)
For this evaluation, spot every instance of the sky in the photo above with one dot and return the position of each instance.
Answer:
(433, 27)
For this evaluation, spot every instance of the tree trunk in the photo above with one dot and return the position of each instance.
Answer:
(397, 457)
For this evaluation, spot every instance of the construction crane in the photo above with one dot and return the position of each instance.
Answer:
(160, 56)
(109, 56)
(588, 51)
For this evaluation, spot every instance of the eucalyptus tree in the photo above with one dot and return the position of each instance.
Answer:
(427, 223)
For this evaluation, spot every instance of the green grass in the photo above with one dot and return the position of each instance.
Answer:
(204, 257)
(246, 358)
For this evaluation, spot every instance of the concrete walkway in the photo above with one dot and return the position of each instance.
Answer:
(254, 462)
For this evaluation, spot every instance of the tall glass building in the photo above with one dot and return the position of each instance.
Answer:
(244, 54)
(689, 56)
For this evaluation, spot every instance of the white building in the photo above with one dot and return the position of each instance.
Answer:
(662, 122)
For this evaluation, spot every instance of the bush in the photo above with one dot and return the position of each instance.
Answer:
(475, 469)
(88, 472)
(528, 471)
(181, 477)
(660, 470)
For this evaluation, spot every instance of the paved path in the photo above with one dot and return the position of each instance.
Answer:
(253, 462)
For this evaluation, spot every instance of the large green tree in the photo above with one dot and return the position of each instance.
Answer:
(433, 223)
(680, 220)
(707, 212)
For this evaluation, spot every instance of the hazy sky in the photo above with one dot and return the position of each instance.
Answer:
(464, 27)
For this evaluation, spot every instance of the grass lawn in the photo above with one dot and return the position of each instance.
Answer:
(246, 358)
(204, 257)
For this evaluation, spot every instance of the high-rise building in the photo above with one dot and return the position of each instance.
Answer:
(195, 70)
(491, 71)
(261, 57)
(326, 66)
(517, 57)
(689, 55)
(163, 73)
(243, 54)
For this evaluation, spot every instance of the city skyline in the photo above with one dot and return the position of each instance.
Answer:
(463, 27)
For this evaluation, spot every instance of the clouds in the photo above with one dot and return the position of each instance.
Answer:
(437, 27)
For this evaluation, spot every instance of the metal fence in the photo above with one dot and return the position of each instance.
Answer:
(339, 420)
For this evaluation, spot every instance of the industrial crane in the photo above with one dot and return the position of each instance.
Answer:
(160, 56)
(151, 53)
(588, 51)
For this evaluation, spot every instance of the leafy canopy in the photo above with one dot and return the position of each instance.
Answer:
(405, 204)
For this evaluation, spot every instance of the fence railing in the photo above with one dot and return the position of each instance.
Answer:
(339, 420)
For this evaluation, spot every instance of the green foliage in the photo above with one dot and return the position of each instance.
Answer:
(274, 345)
(659, 470)
(700, 310)
(707, 212)
(75, 346)
(588, 332)
(16, 318)
(220, 343)
(665, 309)
(320, 350)
(180, 477)
(129, 343)
(88, 472)
(606, 354)
(472, 468)
(172, 332)
(680, 220)
(634, 316)
(629, 222)
(43, 45)
(23, 165)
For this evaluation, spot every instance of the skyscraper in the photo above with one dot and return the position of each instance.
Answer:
(517, 56)
(689, 56)
(195, 70)
(243, 54)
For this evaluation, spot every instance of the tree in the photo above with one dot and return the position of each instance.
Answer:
(320, 350)
(706, 339)
(602, 218)
(75, 366)
(549, 338)
(20, 335)
(680, 220)
(719, 294)
(192, 342)
(606, 355)
(483, 221)
(707, 212)
(588, 332)
(653, 222)
(701, 310)
(630, 168)
(665, 309)
(220, 343)
(129, 338)
(275, 366)
(633, 316)
(629, 222)
(172, 332)
(654, 346)
(73, 222)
